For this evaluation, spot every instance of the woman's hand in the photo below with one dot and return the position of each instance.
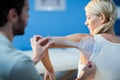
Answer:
(39, 46)
(49, 76)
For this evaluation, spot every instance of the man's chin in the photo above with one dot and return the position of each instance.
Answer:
(19, 34)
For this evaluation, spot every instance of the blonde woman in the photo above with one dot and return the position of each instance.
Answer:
(101, 46)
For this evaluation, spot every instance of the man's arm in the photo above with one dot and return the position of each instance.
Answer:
(24, 69)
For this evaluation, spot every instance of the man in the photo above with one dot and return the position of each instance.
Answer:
(14, 65)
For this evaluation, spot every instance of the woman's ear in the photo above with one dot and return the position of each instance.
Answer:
(103, 18)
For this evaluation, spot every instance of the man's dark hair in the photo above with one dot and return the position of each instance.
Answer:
(6, 5)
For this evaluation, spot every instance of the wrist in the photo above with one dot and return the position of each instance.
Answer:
(50, 70)
(35, 60)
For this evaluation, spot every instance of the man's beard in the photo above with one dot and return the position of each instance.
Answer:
(19, 27)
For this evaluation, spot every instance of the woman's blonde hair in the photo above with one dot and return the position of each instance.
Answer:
(106, 7)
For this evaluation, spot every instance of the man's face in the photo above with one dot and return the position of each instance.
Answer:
(19, 26)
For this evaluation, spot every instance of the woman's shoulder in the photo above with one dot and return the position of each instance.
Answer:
(109, 39)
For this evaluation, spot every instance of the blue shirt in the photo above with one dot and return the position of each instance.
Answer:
(14, 65)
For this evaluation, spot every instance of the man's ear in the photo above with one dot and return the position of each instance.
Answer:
(12, 15)
(103, 18)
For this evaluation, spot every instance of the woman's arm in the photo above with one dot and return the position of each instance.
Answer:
(40, 49)
(49, 75)
(72, 37)
(85, 43)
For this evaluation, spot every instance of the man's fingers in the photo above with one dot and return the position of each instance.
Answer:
(90, 64)
(38, 37)
(48, 45)
(43, 41)
(93, 64)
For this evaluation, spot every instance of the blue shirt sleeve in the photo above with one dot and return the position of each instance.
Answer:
(24, 69)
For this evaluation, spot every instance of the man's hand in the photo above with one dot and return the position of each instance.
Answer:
(39, 46)
(88, 72)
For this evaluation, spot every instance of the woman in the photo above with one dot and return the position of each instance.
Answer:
(101, 45)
